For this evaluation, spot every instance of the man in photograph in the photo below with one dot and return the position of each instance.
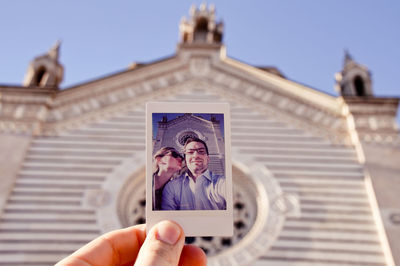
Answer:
(197, 188)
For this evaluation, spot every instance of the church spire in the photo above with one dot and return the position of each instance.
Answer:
(55, 50)
(347, 57)
(45, 70)
(201, 27)
(354, 79)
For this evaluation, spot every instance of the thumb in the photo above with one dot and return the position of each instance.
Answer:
(163, 245)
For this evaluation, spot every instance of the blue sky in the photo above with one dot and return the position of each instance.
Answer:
(303, 39)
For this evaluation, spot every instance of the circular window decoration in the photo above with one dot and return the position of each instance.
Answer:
(132, 200)
(256, 225)
(185, 135)
(259, 210)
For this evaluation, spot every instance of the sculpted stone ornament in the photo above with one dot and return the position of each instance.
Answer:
(395, 218)
(98, 198)
(288, 204)
(199, 66)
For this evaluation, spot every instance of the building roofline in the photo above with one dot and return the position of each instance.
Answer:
(25, 89)
(308, 94)
(133, 67)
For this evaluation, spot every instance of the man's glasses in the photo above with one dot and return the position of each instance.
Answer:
(200, 151)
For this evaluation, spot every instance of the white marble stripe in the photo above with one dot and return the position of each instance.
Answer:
(90, 147)
(57, 182)
(44, 203)
(333, 236)
(264, 125)
(248, 141)
(315, 164)
(323, 256)
(54, 165)
(32, 208)
(105, 133)
(330, 225)
(242, 109)
(260, 131)
(78, 171)
(351, 218)
(77, 149)
(335, 200)
(328, 149)
(95, 154)
(317, 172)
(105, 125)
(133, 121)
(250, 117)
(322, 182)
(56, 216)
(38, 247)
(80, 138)
(47, 226)
(327, 246)
(112, 130)
(91, 136)
(127, 117)
(44, 197)
(276, 135)
(345, 191)
(88, 141)
(327, 207)
(66, 157)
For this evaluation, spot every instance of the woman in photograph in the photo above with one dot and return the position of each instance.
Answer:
(167, 164)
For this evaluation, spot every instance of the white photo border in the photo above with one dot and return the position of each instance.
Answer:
(193, 222)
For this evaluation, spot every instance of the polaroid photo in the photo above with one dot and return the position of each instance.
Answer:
(188, 167)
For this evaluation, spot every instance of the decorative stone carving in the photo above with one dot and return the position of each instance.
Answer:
(72, 108)
(374, 118)
(199, 66)
(395, 218)
(98, 198)
(390, 217)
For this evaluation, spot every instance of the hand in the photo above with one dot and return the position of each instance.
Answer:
(163, 246)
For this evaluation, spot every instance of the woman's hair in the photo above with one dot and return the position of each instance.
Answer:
(161, 153)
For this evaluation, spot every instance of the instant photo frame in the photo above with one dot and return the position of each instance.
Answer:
(170, 124)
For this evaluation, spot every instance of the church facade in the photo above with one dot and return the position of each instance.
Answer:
(315, 176)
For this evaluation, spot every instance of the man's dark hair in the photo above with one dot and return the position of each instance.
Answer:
(192, 139)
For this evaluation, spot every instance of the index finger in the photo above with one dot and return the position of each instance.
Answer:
(118, 247)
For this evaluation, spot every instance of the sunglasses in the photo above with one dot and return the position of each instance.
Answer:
(172, 153)
(175, 154)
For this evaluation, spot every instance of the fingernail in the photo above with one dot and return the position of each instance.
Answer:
(168, 232)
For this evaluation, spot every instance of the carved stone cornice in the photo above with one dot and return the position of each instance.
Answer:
(51, 112)
(373, 118)
(23, 109)
(152, 73)
(289, 111)
(295, 104)
(278, 84)
(99, 100)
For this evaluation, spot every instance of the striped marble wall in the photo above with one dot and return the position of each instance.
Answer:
(45, 218)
